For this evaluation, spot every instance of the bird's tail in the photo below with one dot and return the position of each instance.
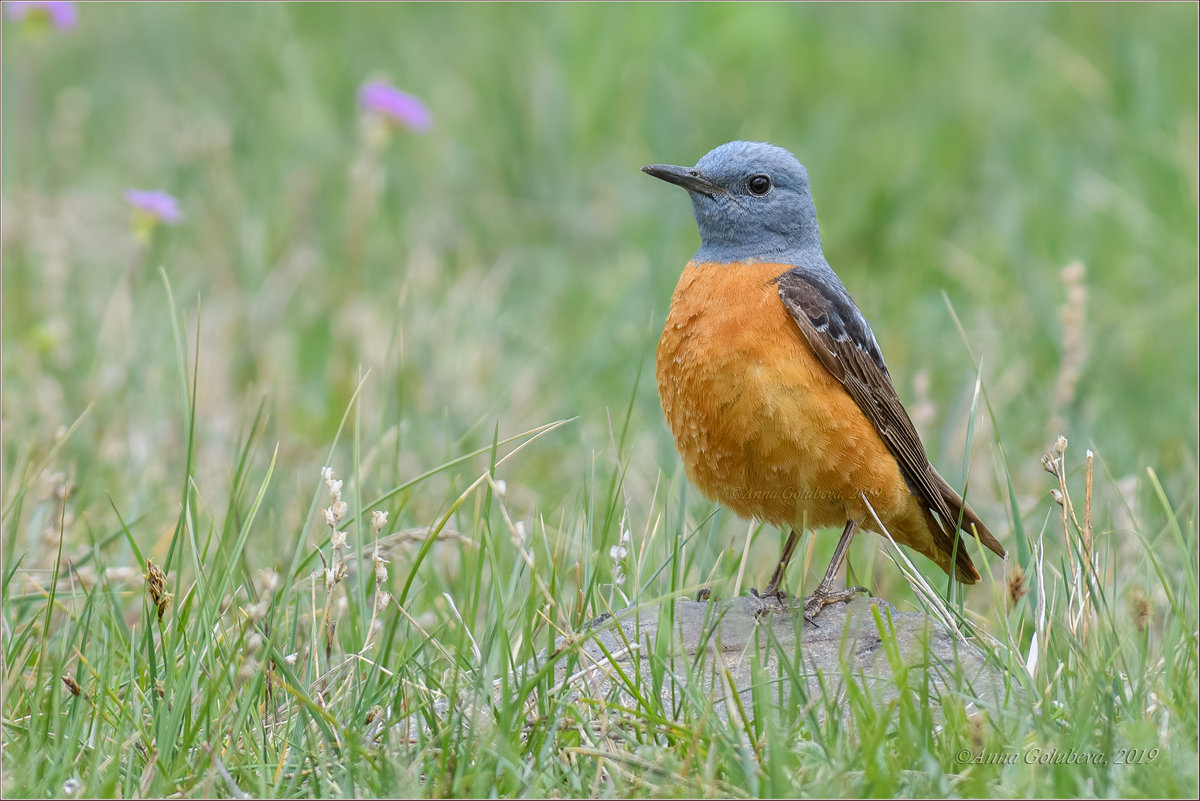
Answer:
(971, 525)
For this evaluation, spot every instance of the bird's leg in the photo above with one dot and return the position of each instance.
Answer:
(772, 590)
(825, 594)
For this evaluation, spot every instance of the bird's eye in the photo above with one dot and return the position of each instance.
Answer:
(759, 185)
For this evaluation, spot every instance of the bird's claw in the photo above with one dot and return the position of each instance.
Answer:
(824, 596)
(775, 600)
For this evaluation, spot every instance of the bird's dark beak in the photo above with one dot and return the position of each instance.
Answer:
(689, 178)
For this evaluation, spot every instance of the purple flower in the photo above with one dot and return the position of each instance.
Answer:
(380, 98)
(61, 13)
(158, 206)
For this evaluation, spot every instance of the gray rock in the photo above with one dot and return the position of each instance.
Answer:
(697, 654)
(725, 643)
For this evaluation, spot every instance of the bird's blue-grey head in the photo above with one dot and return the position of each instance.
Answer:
(751, 201)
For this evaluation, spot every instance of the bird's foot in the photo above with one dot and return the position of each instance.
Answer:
(824, 596)
(771, 600)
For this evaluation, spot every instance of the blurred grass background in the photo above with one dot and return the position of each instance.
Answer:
(511, 267)
(517, 267)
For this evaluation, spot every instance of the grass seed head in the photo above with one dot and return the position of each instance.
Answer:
(156, 586)
(1140, 609)
(1017, 587)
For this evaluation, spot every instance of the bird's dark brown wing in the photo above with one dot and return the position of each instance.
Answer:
(842, 340)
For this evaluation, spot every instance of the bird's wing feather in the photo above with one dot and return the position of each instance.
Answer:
(842, 340)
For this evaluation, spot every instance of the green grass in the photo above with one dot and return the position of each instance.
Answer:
(175, 402)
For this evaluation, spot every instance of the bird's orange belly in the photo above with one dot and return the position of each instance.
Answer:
(761, 425)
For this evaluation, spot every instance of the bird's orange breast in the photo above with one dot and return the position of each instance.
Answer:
(761, 425)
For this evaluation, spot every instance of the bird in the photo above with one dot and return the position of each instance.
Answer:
(775, 389)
